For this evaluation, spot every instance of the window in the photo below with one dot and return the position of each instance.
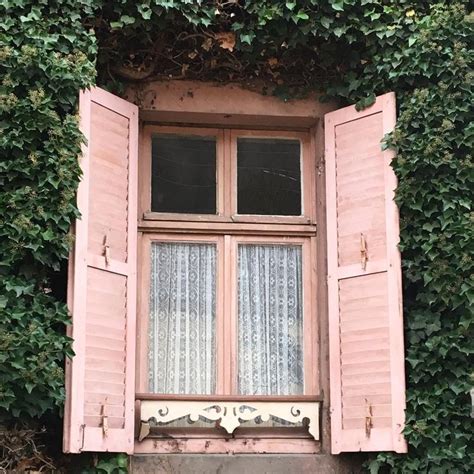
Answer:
(230, 273)
(268, 176)
(227, 254)
(183, 174)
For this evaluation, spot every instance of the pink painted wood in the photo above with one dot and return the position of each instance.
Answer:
(100, 379)
(367, 380)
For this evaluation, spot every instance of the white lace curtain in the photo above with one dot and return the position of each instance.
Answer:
(270, 320)
(182, 337)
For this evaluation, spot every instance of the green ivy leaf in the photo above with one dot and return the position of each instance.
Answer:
(127, 20)
(145, 11)
(337, 5)
(326, 22)
(302, 15)
(247, 38)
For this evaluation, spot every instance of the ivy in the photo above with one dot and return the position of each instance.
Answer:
(108, 464)
(46, 56)
(350, 50)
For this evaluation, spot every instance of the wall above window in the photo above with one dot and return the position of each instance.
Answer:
(229, 105)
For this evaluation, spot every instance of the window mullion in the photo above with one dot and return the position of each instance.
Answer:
(229, 333)
(221, 173)
(232, 160)
(310, 345)
(220, 329)
(226, 184)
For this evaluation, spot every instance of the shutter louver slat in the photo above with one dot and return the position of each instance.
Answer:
(364, 282)
(99, 413)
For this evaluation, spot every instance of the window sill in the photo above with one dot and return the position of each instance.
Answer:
(228, 446)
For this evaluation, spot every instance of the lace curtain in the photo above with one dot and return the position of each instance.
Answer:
(182, 337)
(270, 320)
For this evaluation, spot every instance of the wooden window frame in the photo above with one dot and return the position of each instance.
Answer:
(144, 197)
(306, 166)
(227, 229)
(146, 241)
(310, 356)
(226, 177)
(227, 310)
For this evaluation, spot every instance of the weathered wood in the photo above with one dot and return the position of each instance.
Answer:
(364, 282)
(246, 445)
(230, 413)
(227, 228)
(225, 105)
(100, 379)
(236, 398)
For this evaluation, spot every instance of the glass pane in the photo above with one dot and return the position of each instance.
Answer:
(269, 177)
(182, 335)
(183, 174)
(270, 314)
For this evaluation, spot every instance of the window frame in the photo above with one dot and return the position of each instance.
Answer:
(226, 176)
(306, 166)
(229, 228)
(310, 385)
(146, 241)
(227, 310)
(145, 170)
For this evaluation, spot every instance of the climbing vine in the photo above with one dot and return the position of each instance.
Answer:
(349, 50)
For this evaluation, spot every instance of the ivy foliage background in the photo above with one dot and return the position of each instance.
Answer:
(348, 49)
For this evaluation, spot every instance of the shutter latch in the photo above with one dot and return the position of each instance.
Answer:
(104, 421)
(363, 251)
(106, 250)
(368, 419)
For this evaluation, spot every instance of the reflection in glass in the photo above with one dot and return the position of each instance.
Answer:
(268, 176)
(183, 174)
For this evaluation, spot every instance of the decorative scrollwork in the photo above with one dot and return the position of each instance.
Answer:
(230, 415)
(295, 411)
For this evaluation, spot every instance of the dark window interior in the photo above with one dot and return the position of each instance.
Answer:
(268, 176)
(183, 174)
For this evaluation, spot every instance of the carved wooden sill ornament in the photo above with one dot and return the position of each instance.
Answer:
(229, 415)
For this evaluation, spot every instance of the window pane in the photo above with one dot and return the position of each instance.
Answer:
(182, 336)
(270, 314)
(268, 175)
(183, 174)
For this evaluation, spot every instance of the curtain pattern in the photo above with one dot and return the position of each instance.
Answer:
(270, 320)
(182, 336)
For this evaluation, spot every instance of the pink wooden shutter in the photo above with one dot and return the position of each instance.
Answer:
(364, 282)
(100, 392)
